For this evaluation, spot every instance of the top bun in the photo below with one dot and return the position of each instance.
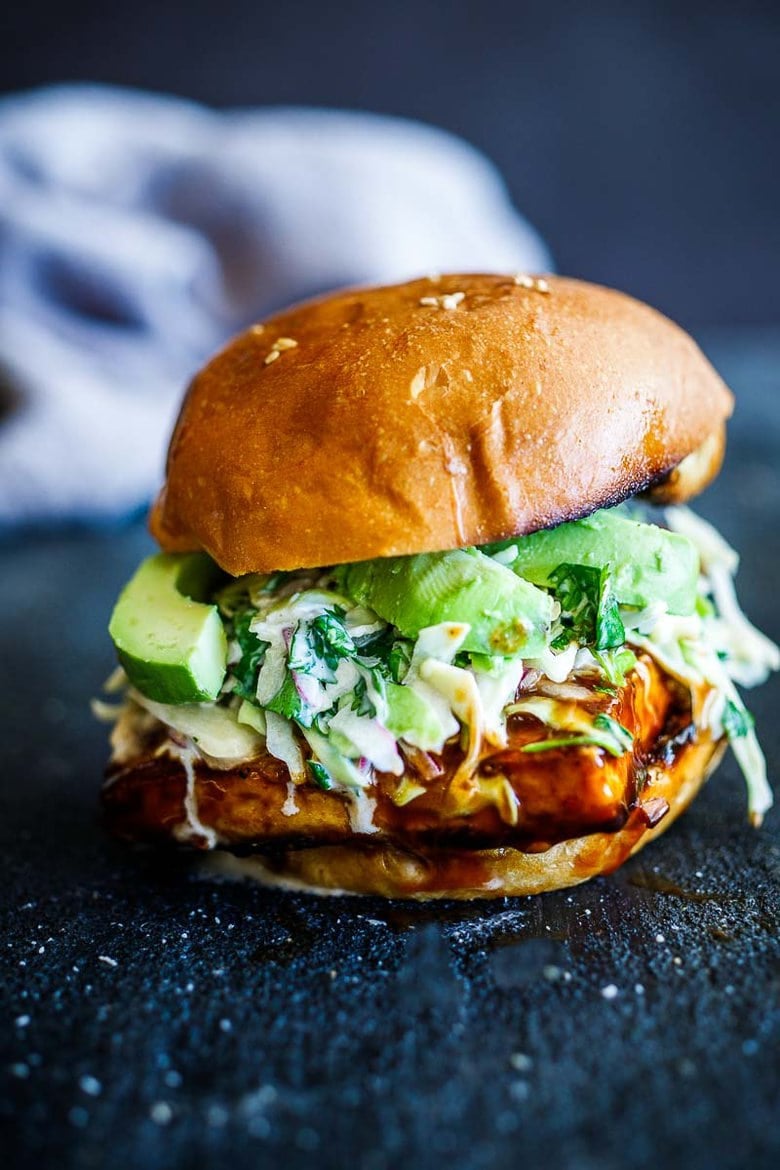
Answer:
(444, 412)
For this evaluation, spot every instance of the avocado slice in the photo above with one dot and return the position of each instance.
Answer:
(173, 646)
(645, 563)
(507, 615)
(411, 718)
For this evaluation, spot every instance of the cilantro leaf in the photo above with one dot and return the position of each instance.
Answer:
(610, 631)
(288, 702)
(607, 734)
(589, 609)
(317, 646)
(361, 699)
(393, 653)
(301, 656)
(621, 735)
(320, 775)
(616, 664)
(253, 650)
(330, 639)
(737, 720)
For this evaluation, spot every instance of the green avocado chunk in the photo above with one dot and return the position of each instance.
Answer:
(507, 615)
(645, 563)
(411, 718)
(172, 646)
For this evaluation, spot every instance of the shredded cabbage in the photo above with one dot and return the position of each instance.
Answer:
(309, 672)
(717, 646)
(213, 730)
(282, 743)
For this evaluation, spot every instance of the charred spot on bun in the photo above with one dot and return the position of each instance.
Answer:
(431, 618)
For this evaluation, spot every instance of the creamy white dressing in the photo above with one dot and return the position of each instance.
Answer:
(191, 828)
(290, 806)
(361, 808)
(345, 730)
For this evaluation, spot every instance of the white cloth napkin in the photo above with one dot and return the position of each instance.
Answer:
(137, 232)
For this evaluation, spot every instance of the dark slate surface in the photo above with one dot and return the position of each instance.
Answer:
(152, 1017)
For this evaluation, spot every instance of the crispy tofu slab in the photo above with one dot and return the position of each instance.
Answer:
(155, 792)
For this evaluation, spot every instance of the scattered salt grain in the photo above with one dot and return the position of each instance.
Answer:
(217, 1116)
(161, 1113)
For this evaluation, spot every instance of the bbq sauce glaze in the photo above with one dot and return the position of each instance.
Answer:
(557, 795)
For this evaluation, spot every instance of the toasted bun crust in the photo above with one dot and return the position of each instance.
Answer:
(413, 418)
(693, 473)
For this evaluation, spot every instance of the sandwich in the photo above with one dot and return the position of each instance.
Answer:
(431, 617)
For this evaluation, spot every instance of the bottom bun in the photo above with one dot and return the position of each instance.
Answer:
(391, 871)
